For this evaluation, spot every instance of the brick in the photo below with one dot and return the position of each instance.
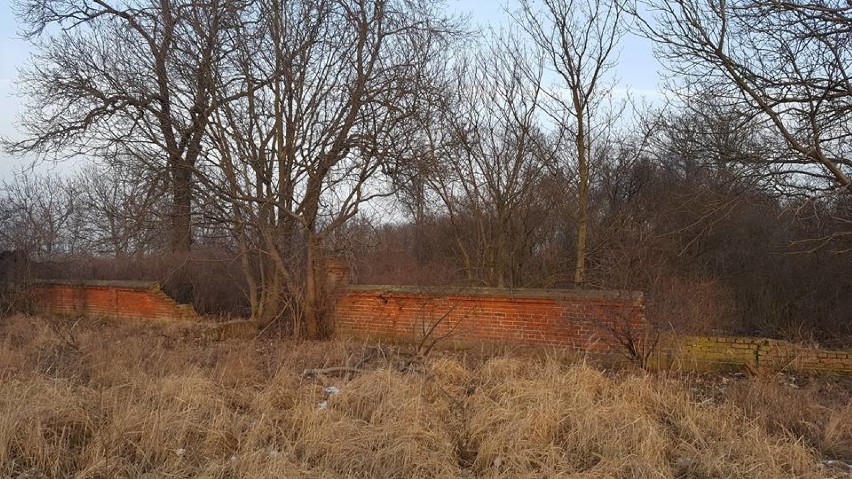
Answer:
(508, 316)
(120, 299)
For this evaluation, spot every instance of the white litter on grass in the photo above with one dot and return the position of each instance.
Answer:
(328, 391)
(836, 464)
(180, 452)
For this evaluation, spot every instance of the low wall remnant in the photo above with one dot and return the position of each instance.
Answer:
(112, 299)
(590, 321)
(577, 319)
(715, 353)
(597, 322)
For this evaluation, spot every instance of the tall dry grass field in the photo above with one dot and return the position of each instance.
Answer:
(104, 399)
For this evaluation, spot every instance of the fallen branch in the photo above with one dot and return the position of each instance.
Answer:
(312, 373)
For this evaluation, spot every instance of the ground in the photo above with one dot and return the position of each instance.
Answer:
(98, 398)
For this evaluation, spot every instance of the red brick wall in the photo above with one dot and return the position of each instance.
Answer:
(574, 319)
(116, 299)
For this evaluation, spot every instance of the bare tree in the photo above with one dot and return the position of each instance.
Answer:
(129, 79)
(486, 157)
(296, 156)
(35, 216)
(119, 206)
(786, 63)
(579, 39)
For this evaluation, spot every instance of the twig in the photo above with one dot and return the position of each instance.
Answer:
(309, 373)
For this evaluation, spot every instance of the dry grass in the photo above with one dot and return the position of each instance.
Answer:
(819, 412)
(107, 400)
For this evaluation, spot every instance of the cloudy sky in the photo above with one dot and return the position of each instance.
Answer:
(637, 69)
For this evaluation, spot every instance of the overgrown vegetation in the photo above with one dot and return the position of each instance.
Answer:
(108, 399)
(235, 147)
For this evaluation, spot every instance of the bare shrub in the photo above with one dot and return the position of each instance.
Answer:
(15, 277)
(15, 299)
(627, 332)
(689, 306)
(433, 327)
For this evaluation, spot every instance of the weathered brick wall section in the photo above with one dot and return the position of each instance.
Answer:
(113, 299)
(714, 353)
(579, 320)
(574, 319)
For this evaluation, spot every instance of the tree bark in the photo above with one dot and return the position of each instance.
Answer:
(582, 206)
(314, 317)
(181, 221)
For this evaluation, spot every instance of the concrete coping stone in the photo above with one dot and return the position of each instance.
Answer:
(508, 293)
(137, 285)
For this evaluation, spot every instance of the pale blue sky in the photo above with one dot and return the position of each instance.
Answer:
(637, 69)
(13, 53)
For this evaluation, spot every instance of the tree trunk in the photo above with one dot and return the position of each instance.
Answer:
(314, 307)
(582, 206)
(270, 303)
(180, 234)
